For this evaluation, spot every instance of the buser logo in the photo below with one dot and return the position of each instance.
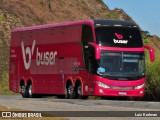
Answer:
(119, 36)
(42, 58)
(28, 52)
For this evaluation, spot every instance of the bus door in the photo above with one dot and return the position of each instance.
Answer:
(92, 72)
(91, 67)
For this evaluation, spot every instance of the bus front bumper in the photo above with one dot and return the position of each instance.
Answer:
(102, 89)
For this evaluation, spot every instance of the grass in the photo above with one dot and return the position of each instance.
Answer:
(152, 71)
(4, 84)
(38, 118)
(153, 79)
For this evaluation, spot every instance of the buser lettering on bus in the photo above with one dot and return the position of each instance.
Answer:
(120, 41)
(45, 58)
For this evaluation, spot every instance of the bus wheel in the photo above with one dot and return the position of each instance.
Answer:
(69, 92)
(79, 92)
(29, 90)
(23, 91)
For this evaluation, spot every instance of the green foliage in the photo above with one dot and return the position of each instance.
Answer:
(4, 84)
(3, 18)
(152, 71)
(153, 81)
(4, 57)
(146, 36)
(113, 15)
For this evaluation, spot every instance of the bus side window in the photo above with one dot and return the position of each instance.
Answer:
(87, 35)
(88, 54)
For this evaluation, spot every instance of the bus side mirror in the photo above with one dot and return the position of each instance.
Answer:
(151, 52)
(97, 49)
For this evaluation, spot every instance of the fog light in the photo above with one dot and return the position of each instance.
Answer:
(141, 92)
(100, 90)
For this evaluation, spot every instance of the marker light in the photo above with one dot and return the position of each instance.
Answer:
(117, 25)
(139, 86)
(100, 84)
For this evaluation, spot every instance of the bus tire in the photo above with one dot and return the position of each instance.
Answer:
(29, 90)
(69, 91)
(79, 92)
(23, 91)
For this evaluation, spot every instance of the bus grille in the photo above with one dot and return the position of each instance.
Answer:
(122, 88)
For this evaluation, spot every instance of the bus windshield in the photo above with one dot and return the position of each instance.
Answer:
(118, 37)
(122, 65)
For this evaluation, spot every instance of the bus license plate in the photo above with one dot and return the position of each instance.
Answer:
(122, 93)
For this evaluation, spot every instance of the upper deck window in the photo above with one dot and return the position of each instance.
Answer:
(118, 37)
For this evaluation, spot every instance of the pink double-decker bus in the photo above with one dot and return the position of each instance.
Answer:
(78, 59)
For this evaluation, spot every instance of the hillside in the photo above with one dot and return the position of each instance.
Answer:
(18, 13)
(33, 12)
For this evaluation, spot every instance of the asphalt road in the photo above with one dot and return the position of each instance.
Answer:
(128, 109)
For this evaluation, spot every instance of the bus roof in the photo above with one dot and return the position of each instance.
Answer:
(110, 22)
(96, 22)
(80, 22)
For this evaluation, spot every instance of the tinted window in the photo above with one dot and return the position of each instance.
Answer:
(118, 37)
(87, 35)
(88, 51)
(126, 65)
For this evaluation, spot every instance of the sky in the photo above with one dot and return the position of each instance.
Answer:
(146, 13)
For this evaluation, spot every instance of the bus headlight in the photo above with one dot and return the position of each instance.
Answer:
(139, 86)
(100, 84)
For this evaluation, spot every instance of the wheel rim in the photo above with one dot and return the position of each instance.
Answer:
(22, 89)
(70, 90)
(79, 91)
(30, 90)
